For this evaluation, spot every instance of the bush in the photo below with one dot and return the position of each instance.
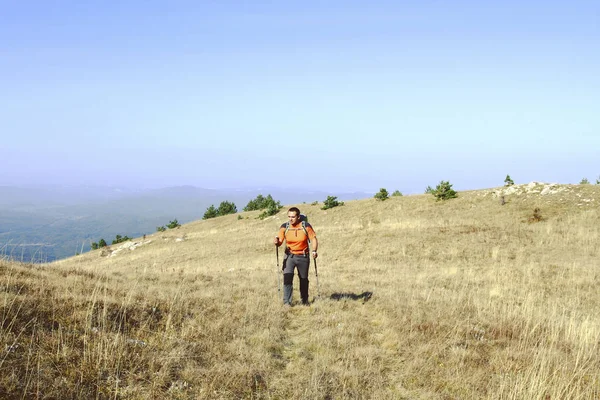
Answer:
(102, 243)
(268, 204)
(584, 181)
(598, 180)
(120, 239)
(226, 208)
(382, 194)
(508, 181)
(94, 246)
(396, 193)
(331, 202)
(428, 190)
(444, 191)
(173, 224)
(536, 217)
(160, 229)
(272, 209)
(259, 203)
(315, 203)
(211, 212)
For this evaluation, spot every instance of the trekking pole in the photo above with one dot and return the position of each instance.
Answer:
(317, 275)
(278, 277)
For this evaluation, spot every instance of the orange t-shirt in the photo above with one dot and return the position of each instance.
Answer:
(296, 238)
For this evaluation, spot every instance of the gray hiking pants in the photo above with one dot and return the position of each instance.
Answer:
(300, 262)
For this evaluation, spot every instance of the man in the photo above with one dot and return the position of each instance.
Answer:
(297, 236)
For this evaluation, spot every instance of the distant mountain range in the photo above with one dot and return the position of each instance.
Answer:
(46, 223)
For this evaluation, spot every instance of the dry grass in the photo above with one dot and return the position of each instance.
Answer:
(470, 300)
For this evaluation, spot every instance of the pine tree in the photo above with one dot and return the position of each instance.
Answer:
(211, 212)
(382, 194)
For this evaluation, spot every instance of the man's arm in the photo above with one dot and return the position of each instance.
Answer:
(278, 240)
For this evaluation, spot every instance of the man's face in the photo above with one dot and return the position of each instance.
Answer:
(293, 217)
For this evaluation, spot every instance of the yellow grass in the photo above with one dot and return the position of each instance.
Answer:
(470, 301)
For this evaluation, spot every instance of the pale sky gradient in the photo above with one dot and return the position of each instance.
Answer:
(336, 95)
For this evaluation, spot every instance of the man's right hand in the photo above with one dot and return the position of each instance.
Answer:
(276, 241)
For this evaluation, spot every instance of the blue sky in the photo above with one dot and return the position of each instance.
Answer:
(333, 95)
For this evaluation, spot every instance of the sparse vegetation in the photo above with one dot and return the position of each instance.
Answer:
(120, 239)
(598, 180)
(584, 181)
(272, 209)
(102, 242)
(428, 190)
(161, 228)
(268, 204)
(536, 216)
(397, 193)
(226, 208)
(173, 224)
(508, 181)
(382, 194)
(471, 303)
(331, 202)
(444, 191)
(259, 203)
(211, 212)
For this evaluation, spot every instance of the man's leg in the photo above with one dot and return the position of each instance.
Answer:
(288, 280)
(303, 264)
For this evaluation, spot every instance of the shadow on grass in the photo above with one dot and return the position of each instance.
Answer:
(365, 296)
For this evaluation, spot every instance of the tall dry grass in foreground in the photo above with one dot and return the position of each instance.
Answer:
(469, 301)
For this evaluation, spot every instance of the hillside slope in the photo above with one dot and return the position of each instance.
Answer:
(470, 299)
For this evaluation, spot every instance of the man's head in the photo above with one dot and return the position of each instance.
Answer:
(294, 215)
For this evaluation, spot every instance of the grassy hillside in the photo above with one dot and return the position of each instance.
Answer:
(469, 300)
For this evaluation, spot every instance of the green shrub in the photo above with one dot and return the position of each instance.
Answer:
(211, 212)
(396, 193)
(160, 229)
(598, 180)
(508, 181)
(226, 208)
(240, 217)
(94, 246)
(382, 194)
(272, 209)
(444, 191)
(536, 217)
(120, 239)
(428, 190)
(268, 204)
(102, 243)
(315, 203)
(259, 203)
(173, 224)
(584, 181)
(331, 202)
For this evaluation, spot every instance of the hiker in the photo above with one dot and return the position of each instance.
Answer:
(297, 233)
